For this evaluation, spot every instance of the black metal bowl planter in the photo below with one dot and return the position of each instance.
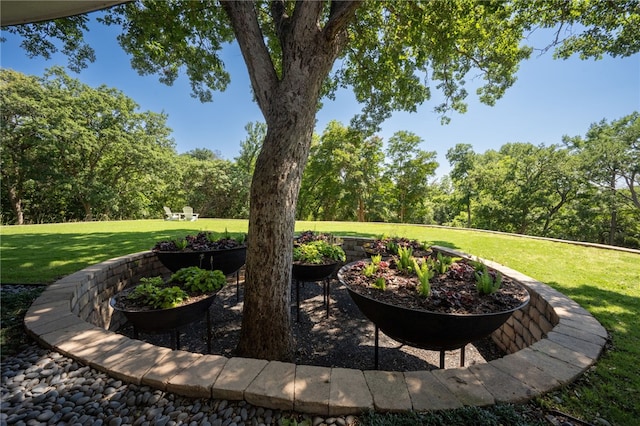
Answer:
(157, 305)
(309, 272)
(225, 254)
(437, 331)
(228, 261)
(169, 319)
(303, 272)
(315, 258)
(382, 247)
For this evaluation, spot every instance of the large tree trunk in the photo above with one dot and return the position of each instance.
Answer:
(88, 211)
(468, 211)
(288, 101)
(16, 205)
(613, 222)
(361, 215)
(266, 319)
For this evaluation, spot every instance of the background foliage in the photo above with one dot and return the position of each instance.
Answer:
(71, 152)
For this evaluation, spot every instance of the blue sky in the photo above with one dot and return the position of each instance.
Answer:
(551, 98)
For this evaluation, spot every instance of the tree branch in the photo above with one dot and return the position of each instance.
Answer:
(244, 21)
(306, 15)
(342, 12)
(280, 18)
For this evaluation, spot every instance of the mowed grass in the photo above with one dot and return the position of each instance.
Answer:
(605, 282)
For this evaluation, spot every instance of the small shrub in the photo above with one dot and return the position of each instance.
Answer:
(316, 252)
(198, 280)
(150, 294)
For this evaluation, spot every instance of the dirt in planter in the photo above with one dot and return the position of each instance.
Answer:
(453, 292)
(344, 339)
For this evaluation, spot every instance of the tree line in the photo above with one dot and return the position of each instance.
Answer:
(584, 188)
(72, 152)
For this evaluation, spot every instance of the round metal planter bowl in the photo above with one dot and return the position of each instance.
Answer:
(435, 331)
(310, 273)
(228, 260)
(166, 319)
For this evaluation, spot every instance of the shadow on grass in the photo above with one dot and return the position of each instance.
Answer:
(615, 310)
(610, 390)
(43, 258)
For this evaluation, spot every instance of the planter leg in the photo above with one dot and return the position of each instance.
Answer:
(135, 332)
(376, 349)
(209, 332)
(177, 339)
(462, 355)
(441, 360)
(298, 299)
(327, 289)
(237, 286)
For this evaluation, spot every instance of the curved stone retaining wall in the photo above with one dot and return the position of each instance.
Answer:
(550, 343)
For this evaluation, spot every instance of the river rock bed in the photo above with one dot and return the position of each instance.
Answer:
(42, 387)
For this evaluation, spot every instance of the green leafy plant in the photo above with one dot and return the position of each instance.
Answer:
(169, 297)
(317, 252)
(392, 247)
(485, 282)
(380, 283)
(194, 279)
(370, 270)
(155, 293)
(294, 422)
(441, 263)
(156, 281)
(181, 243)
(405, 259)
(151, 294)
(424, 273)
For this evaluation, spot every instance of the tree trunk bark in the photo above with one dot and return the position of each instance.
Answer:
(88, 213)
(16, 205)
(613, 223)
(266, 320)
(468, 211)
(288, 100)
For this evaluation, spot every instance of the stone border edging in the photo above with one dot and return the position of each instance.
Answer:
(72, 316)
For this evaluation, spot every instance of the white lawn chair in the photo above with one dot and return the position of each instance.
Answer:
(188, 214)
(169, 215)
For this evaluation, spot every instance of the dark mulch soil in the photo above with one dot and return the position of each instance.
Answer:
(453, 292)
(344, 339)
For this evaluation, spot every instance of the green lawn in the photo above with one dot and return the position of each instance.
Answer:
(605, 282)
